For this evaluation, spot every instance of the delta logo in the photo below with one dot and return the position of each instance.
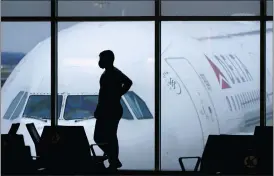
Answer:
(220, 76)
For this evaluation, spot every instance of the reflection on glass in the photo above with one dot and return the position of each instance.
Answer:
(205, 66)
(132, 43)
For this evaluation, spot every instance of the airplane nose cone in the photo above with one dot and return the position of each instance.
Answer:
(5, 126)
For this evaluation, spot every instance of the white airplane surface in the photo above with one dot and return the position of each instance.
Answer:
(208, 86)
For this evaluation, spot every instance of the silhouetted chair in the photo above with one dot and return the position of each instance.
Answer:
(36, 140)
(66, 150)
(264, 147)
(16, 156)
(70, 149)
(96, 158)
(185, 158)
(14, 128)
(34, 135)
(225, 154)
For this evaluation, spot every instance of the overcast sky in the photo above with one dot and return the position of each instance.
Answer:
(23, 36)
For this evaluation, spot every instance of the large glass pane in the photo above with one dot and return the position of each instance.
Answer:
(269, 73)
(210, 8)
(105, 8)
(269, 7)
(209, 71)
(25, 70)
(25, 8)
(132, 43)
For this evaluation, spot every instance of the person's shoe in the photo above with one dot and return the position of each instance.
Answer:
(115, 166)
(119, 164)
(112, 168)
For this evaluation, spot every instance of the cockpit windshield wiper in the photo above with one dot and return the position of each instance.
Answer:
(84, 118)
(37, 118)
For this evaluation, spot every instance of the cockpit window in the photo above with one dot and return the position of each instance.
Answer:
(83, 106)
(126, 114)
(39, 107)
(16, 106)
(80, 107)
(138, 106)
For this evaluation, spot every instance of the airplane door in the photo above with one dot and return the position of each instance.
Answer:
(198, 94)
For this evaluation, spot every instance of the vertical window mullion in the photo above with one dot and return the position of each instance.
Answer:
(157, 85)
(262, 62)
(54, 67)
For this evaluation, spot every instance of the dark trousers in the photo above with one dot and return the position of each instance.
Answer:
(106, 132)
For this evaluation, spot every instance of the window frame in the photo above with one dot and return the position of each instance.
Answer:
(157, 19)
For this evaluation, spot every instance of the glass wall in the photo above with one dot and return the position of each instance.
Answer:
(210, 8)
(25, 76)
(25, 8)
(79, 47)
(210, 79)
(106, 8)
(269, 7)
(209, 74)
(269, 73)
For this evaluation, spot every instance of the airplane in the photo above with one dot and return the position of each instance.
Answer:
(210, 84)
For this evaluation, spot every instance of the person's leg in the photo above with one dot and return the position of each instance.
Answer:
(113, 144)
(100, 135)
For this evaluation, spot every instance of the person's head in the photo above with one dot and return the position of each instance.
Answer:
(106, 59)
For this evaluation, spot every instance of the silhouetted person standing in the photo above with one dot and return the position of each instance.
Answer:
(113, 85)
